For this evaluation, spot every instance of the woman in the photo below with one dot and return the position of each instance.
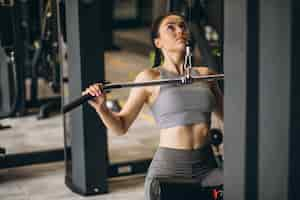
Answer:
(182, 112)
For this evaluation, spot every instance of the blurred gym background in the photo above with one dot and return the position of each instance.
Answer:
(37, 78)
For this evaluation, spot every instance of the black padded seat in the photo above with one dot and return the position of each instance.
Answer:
(175, 189)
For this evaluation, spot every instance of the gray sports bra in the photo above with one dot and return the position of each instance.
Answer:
(182, 105)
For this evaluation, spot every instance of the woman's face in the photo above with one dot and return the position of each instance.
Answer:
(173, 34)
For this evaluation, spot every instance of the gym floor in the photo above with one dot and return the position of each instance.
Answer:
(46, 181)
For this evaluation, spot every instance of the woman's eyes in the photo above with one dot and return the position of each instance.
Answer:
(172, 27)
(182, 26)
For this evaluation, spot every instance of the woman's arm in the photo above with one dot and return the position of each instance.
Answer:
(120, 122)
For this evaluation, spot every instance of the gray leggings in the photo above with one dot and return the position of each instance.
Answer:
(187, 165)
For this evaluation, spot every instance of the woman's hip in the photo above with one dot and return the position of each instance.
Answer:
(177, 163)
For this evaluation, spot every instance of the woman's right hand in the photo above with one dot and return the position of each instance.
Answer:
(96, 90)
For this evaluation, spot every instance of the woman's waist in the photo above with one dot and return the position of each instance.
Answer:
(186, 137)
(203, 156)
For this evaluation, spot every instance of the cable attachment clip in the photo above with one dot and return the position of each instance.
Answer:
(187, 67)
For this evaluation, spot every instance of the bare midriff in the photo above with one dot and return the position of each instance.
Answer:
(187, 137)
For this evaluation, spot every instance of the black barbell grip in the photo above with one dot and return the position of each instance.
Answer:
(77, 102)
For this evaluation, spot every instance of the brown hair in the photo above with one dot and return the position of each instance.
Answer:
(155, 34)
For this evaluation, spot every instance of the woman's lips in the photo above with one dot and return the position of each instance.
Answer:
(181, 40)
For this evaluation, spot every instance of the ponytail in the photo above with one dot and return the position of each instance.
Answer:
(157, 58)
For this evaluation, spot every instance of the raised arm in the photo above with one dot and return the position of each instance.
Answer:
(120, 122)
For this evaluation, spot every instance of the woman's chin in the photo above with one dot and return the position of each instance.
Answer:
(181, 45)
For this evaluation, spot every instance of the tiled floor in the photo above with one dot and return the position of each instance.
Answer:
(45, 182)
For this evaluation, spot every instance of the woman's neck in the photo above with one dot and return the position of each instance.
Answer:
(173, 62)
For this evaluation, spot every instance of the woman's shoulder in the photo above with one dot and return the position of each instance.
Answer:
(204, 70)
(148, 75)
